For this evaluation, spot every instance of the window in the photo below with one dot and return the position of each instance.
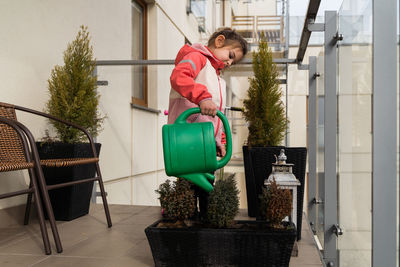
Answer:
(139, 52)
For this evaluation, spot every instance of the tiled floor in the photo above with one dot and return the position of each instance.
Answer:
(88, 242)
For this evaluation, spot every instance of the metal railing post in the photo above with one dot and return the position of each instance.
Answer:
(384, 140)
(312, 142)
(330, 135)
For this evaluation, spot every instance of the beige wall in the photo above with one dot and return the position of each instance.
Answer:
(298, 92)
(34, 35)
(167, 32)
(176, 11)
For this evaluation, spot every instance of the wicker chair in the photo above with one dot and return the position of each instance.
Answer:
(18, 151)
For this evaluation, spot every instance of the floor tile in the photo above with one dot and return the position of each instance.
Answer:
(87, 241)
(19, 260)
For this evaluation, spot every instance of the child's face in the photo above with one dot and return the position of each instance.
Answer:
(229, 54)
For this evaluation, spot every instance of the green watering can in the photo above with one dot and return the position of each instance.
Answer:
(189, 149)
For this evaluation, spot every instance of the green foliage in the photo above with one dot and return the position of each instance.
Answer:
(72, 90)
(223, 203)
(276, 203)
(263, 107)
(177, 199)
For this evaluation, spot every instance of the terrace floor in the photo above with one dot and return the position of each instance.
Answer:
(88, 242)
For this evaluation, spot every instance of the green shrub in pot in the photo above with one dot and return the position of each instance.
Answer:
(72, 89)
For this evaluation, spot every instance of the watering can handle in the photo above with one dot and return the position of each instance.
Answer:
(220, 163)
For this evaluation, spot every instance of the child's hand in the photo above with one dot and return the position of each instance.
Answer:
(221, 151)
(208, 107)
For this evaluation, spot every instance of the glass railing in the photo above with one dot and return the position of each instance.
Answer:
(354, 133)
(296, 29)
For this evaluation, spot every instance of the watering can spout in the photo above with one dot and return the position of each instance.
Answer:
(200, 179)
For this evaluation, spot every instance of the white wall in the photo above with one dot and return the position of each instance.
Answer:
(34, 35)
(176, 11)
(167, 39)
(167, 29)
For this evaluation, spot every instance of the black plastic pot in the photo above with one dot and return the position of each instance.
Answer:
(72, 201)
(258, 166)
(251, 244)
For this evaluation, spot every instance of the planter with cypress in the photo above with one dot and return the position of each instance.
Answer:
(264, 112)
(73, 98)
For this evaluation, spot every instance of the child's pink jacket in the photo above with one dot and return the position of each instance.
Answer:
(196, 78)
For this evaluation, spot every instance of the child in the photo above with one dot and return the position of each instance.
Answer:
(195, 81)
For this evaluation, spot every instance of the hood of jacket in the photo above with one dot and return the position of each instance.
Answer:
(186, 49)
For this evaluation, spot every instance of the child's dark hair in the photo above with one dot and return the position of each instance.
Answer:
(231, 36)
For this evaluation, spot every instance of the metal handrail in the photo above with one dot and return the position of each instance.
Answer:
(245, 61)
(312, 11)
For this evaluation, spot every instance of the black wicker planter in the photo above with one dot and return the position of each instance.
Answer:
(252, 244)
(258, 166)
(72, 201)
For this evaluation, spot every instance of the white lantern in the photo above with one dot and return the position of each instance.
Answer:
(282, 173)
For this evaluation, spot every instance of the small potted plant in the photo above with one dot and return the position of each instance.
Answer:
(177, 201)
(265, 114)
(276, 204)
(73, 98)
(219, 240)
(275, 207)
(223, 203)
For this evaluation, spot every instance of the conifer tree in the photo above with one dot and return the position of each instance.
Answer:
(72, 88)
(263, 108)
